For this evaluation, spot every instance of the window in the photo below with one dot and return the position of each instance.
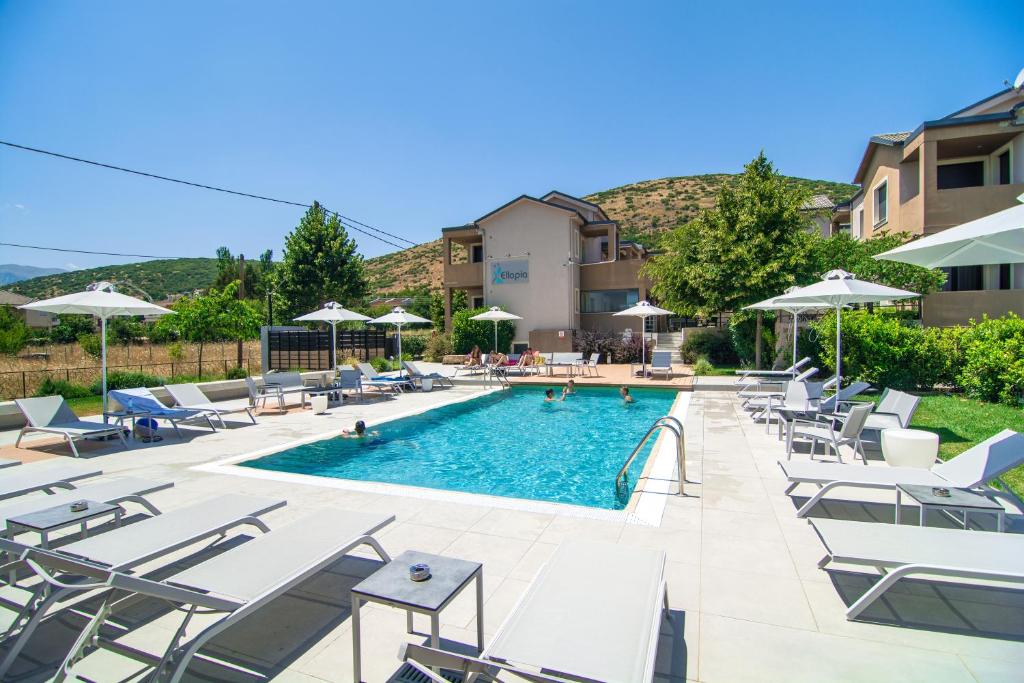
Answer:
(476, 302)
(608, 300)
(1003, 168)
(964, 278)
(844, 227)
(882, 203)
(1005, 276)
(576, 296)
(964, 174)
(860, 224)
(477, 253)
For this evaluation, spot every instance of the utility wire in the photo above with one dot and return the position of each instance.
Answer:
(344, 219)
(82, 251)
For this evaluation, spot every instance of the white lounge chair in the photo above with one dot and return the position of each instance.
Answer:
(379, 381)
(191, 397)
(235, 583)
(746, 375)
(417, 376)
(661, 364)
(590, 364)
(112, 491)
(52, 415)
(121, 550)
(976, 468)
(141, 400)
(824, 409)
(755, 391)
(592, 614)
(258, 393)
(46, 476)
(901, 551)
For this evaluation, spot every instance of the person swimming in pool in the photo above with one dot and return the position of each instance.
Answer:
(549, 396)
(358, 433)
(624, 393)
(570, 389)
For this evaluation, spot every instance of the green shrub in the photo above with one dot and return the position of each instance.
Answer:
(14, 333)
(70, 327)
(415, 343)
(993, 359)
(467, 333)
(703, 366)
(58, 387)
(130, 380)
(743, 330)
(90, 343)
(438, 346)
(713, 343)
(380, 364)
(237, 373)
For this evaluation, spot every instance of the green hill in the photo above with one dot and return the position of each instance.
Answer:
(159, 278)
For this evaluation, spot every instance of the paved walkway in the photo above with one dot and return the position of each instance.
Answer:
(748, 601)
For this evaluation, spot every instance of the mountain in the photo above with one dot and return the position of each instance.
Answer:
(158, 278)
(12, 272)
(644, 211)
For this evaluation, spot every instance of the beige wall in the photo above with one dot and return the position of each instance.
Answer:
(544, 235)
(943, 309)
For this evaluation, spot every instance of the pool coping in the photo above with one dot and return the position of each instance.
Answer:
(646, 505)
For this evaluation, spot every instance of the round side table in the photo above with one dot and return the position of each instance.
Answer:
(910, 448)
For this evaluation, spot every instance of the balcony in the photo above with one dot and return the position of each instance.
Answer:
(624, 274)
(944, 309)
(463, 275)
(947, 208)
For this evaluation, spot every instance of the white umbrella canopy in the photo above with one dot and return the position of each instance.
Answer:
(837, 289)
(774, 304)
(994, 239)
(333, 313)
(643, 310)
(398, 317)
(100, 300)
(496, 315)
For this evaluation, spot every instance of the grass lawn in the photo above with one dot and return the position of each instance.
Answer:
(90, 405)
(962, 422)
(723, 370)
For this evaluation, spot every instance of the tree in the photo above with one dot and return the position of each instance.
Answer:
(855, 256)
(70, 327)
(14, 333)
(752, 245)
(436, 313)
(320, 264)
(217, 316)
(257, 273)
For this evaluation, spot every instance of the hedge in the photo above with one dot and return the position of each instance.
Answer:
(467, 333)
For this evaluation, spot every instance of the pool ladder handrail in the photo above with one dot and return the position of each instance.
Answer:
(675, 427)
(502, 379)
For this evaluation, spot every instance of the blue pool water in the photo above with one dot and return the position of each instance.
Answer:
(510, 443)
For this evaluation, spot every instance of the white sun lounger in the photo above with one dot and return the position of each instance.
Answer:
(377, 381)
(782, 374)
(52, 415)
(142, 400)
(416, 375)
(975, 468)
(661, 363)
(753, 393)
(191, 397)
(121, 550)
(902, 551)
(592, 614)
(112, 491)
(236, 583)
(45, 476)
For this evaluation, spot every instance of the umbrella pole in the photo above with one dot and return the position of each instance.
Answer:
(103, 360)
(796, 327)
(495, 336)
(399, 328)
(334, 346)
(643, 347)
(839, 349)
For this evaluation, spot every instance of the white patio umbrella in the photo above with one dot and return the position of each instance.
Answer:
(399, 317)
(496, 314)
(795, 310)
(643, 310)
(997, 238)
(837, 289)
(333, 313)
(99, 299)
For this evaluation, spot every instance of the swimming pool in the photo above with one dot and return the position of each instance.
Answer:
(509, 443)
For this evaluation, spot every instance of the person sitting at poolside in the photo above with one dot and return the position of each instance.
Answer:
(498, 359)
(624, 393)
(473, 358)
(358, 433)
(570, 389)
(549, 396)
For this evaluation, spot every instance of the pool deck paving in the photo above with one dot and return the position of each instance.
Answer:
(747, 599)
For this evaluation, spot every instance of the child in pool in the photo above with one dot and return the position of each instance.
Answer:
(624, 393)
(549, 396)
(358, 433)
(570, 389)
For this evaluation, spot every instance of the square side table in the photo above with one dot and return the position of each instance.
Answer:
(392, 586)
(964, 500)
(58, 517)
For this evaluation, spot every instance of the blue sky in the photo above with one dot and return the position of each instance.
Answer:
(414, 116)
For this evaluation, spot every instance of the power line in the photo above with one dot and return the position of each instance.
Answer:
(83, 251)
(347, 221)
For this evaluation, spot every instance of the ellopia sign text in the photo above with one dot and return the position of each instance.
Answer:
(510, 272)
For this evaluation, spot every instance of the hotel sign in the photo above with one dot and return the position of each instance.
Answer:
(510, 272)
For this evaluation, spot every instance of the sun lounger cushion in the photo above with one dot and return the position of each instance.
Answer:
(588, 613)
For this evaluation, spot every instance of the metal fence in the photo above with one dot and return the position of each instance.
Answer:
(311, 349)
(22, 383)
